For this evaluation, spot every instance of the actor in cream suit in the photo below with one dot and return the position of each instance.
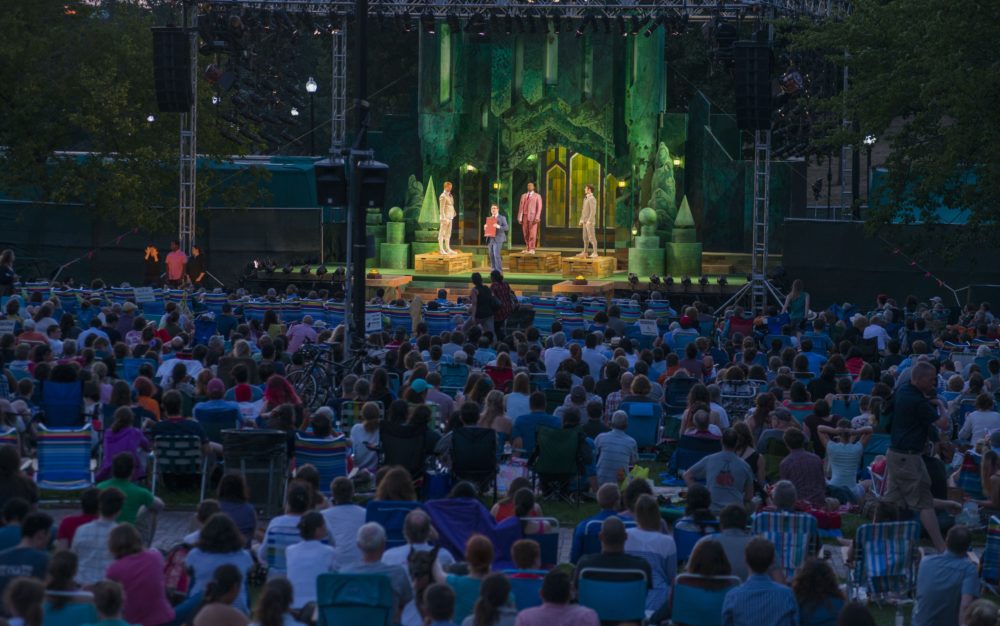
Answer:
(446, 206)
(588, 219)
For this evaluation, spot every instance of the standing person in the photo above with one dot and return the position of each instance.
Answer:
(481, 311)
(446, 209)
(796, 304)
(494, 243)
(151, 266)
(529, 213)
(917, 409)
(760, 600)
(588, 218)
(505, 296)
(7, 275)
(176, 262)
(196, 267)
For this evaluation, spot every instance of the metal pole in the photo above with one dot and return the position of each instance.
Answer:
(312, 124)
(355, 208)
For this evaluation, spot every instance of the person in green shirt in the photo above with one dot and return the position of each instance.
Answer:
(108, 600)
(136, 497)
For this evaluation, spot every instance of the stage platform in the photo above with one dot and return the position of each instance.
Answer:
(426, 284)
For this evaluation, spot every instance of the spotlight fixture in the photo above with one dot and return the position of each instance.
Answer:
(556, 23)
(589, 20)
(668, 280)
(476, 24)
(686, 281)
(638, 23)
(304, 270)
(654, 280)
(622, 29)
(428, 23)
(269, 266)
(453, 24)
(652, 27)
(150, 118)
(703, 281)
(287, 269)
(722, 281)
(508, 25)
(295, 112)
(633, 281)
(321, 270)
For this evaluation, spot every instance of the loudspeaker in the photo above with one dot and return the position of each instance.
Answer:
(373, 177)
(753, 85)
(331, 183)
(172, 69)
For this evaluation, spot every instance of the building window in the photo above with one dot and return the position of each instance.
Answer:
(551, 59)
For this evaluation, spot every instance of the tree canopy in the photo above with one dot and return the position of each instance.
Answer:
(924, 77)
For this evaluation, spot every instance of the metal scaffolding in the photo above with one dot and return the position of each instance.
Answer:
(187, 196)
(338, 90)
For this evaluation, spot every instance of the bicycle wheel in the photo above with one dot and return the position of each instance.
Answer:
(308, 387)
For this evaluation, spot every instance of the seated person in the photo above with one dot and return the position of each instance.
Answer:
(136, 497)
(698, 516)
(845, 446)
(804, 469)
(612, 555)
(524, 428)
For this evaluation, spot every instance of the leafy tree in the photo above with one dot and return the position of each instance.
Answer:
(78, 79)
(924, 77)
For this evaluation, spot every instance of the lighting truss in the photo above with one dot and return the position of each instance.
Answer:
(573, 9)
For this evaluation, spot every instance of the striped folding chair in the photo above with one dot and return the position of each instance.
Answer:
(276, 541)
(177, 296)
(314, 309)
(63, 459)
(213, 301)
(336, 312)
(155, 309)
(121, 295)
(291, 311)
(884, 559)
(631, 312)
(9, 437)
(793, 534)
(969, 479)
(399, 318)
(328, 456)
(438, 321)
(592, 308)
(989, 563)
(350, 413)
(42, 288)
(545, 314)
(660, 307)
(572, 323)
(69, 299)
(254, 310)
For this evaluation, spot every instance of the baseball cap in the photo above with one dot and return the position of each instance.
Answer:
(216, 386)
(419, 385)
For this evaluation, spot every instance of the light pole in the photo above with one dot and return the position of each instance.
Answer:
(311, 87)
(869, 142)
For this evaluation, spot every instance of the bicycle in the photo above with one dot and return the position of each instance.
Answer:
(321, 375)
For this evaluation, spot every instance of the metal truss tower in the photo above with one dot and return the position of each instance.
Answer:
(187, 197)
(338, 90)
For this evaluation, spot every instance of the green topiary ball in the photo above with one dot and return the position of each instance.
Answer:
(395, 214)
(647, 217)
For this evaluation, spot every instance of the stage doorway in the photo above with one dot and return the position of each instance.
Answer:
(560, 175)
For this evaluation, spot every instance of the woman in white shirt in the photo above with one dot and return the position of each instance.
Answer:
(981, 422)
(647, 541)
(517, 399)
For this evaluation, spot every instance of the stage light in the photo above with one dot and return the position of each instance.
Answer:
(150, 118)
(633, 281)
(677, 161)
(556, 23)
(532, 157)
(582, 28)
(287, 269)
(304, 270)
(722, 281)
(652, 27)
(686, 281)
(638, 23)
(295, 112)
(654, 280)
(496, 185)
(428, 22)
(622, 184)
(635, 230)
(508, 25)
(453, 24)
(703, 281)
(669, 280)
(470, 168)
(622, 29)
(406, 20)
(216, 99)
(335, 24)
(476, 24)
(870, 140)
(311, 85)
(321, 270)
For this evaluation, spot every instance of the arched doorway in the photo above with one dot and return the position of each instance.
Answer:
(560, 176)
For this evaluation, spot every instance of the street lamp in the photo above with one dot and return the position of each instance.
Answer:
(311, 87)
(869, 141)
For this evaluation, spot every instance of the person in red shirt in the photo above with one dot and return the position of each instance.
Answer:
(176, 264)
(69, 524)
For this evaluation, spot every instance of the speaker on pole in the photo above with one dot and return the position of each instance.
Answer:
(172, 69)
(753, 85)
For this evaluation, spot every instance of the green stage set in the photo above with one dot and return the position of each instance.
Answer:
(564, 112)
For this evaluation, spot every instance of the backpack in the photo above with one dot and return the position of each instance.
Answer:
(175, 570)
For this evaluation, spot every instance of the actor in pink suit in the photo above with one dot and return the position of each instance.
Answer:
(529, 213)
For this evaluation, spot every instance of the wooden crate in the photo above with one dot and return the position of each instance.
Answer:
(590, 268)
(539, 262)
(434, 263)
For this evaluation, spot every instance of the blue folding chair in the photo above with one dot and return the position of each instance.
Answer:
(390, 514)
(675, 393)
(525, 586)
(617, 595)
(644, 420)
(591, 535)
(276, 541)
(685, 539)
(328, 456)
(63, 459)
(690, 450)
(62, 403)
(548, 539)
(453, 377)
(354, 599)
(698, 600)
(214, 421)
(204, 328)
